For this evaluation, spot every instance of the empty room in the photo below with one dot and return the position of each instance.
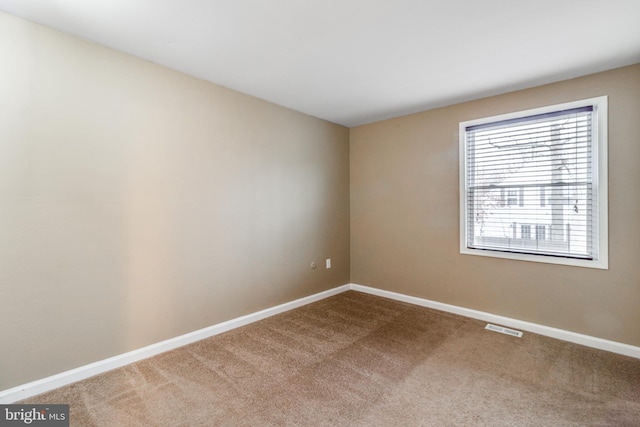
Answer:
(319, 213)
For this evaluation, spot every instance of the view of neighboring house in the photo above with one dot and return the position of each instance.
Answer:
(532, 185)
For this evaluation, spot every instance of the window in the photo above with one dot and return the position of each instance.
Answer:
(544, 170)
(513, 197)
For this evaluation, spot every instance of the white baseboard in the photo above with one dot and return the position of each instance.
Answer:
(561, 334)
(64, 378)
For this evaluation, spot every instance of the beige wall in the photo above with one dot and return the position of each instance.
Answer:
(405, 220)
(138, 204)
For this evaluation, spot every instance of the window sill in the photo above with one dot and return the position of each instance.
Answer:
(602, 264)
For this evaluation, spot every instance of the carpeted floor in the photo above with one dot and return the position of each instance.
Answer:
(360, 360)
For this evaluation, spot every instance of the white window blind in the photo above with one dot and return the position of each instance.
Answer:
(531, 184)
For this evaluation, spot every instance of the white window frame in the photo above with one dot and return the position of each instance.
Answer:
(600, 184)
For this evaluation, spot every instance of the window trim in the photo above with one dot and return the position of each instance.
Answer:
(600, 184)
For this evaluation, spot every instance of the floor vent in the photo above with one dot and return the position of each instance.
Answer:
(503, 330)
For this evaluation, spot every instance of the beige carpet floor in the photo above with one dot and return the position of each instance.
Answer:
(360, 360)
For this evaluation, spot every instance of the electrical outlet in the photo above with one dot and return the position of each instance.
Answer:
(328, 262)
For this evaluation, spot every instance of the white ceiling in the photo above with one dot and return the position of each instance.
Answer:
(357, 61)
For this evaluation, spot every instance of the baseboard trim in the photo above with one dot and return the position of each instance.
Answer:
(64, 378)
(561, 334)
